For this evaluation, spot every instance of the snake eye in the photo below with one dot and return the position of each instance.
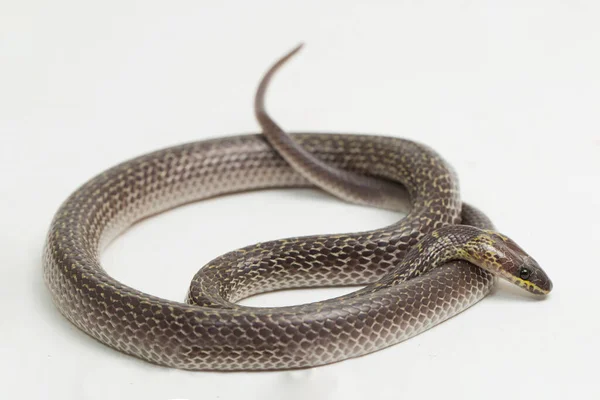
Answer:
(524, 273)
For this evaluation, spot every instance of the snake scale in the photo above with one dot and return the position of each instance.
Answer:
(418, 272)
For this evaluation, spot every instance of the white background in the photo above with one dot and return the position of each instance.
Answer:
(508, 92)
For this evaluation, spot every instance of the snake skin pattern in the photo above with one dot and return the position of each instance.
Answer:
(219, 335)
(412, 272)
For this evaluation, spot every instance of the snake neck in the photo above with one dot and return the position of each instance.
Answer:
(450, 243)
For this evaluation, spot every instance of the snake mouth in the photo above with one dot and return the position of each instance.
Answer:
(530, 287)
(537, 284)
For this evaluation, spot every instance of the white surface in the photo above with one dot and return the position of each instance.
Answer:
(508, 92)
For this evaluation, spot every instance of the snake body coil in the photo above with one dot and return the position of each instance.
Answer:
(411, 285)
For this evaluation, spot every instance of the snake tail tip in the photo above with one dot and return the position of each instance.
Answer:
(293, 52)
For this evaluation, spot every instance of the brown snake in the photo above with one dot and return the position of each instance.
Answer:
(418, 272)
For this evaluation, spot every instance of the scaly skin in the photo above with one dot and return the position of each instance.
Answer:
(405, 293)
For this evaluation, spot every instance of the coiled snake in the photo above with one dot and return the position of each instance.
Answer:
(418, 272)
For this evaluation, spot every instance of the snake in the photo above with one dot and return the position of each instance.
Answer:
(440, 259)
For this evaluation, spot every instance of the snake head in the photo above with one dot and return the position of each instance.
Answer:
(505, 258)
